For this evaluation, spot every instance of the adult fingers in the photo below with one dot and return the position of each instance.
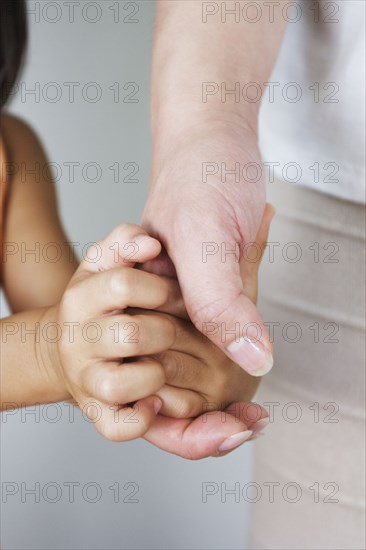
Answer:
(126, 245)
(212, 434)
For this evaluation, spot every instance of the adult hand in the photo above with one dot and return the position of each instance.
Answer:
(205, 100)
(214, 433)
(199, 375)
(207, 223)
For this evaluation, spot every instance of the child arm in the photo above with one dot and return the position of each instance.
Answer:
(31, 277)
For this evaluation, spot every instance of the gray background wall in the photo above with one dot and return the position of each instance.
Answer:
(169, 512)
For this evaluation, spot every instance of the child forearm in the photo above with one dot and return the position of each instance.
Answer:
(29, 375)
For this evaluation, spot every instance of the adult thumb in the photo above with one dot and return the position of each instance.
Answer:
(209, 274)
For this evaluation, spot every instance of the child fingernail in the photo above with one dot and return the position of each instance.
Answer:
(235, 440)
(157, 405)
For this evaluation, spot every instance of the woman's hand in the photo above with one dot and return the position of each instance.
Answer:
(201, 381)
(199, 376)
(201, 207)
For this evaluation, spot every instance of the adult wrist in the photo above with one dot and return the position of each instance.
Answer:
(231, 132)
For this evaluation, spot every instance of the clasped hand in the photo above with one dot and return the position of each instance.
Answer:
(150, 371)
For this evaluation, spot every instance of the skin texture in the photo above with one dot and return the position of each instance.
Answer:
(186, 211)
(176, 369)
(31, 221)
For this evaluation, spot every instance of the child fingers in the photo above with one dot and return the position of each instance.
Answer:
(217, 382)
(180, 403)
(187, 338)
(126, 245)
(119, 336)
(183, 370)
(115, 289)
(116, 383)
(249, 267)
(253, 257)
(126, 423)
(262, 235)
(174, 305)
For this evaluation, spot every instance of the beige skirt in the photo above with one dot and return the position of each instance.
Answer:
(310, 463)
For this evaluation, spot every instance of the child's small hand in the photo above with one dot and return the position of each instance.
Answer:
(199, 376)
(101, 336)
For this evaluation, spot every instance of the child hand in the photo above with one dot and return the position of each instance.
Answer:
(103, 337)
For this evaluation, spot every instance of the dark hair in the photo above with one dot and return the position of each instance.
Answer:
(13, 39)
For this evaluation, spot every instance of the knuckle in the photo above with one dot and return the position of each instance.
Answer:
(118, 283)
(159, 374)
(212, 312)
(172, 366)
(122, 228)
(106, 389)
(190, 373)
(120, 231)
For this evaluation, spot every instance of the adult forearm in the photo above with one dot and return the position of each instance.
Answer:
(201, 54)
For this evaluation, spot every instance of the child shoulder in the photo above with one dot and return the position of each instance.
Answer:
(18, 135)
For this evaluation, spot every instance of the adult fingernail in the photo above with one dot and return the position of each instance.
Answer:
(234, 441)
(251, 355)
(157, 405)
(260, 425)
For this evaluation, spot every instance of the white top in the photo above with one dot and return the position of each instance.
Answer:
(312, 123)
